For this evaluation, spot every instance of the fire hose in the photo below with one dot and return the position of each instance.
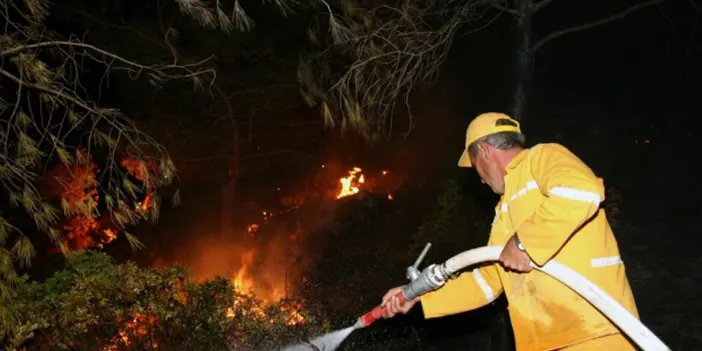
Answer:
(435, 276)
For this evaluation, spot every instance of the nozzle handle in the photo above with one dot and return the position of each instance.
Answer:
(412, 272)
(421, 256)
(377, 313)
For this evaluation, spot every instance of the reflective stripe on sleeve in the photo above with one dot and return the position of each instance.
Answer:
(575, 194)
(487, 290)
(606, 261)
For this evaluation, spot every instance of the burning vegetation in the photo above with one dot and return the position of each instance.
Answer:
(91, 219)
(260, 290)
(96, 305)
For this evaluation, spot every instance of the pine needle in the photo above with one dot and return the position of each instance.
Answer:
(175, 199)
(134, 241)
(23, 251)
(241, 20)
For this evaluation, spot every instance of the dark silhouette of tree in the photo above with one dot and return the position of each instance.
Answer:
(50, 107)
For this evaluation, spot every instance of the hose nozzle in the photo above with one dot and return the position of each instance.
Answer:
(413, 271)
(431, 278)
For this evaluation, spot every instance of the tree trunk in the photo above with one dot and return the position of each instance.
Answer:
(524, 61)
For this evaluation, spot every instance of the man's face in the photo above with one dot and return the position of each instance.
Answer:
(485, 163)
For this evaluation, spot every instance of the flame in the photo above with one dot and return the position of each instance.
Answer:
(246, 280)
(140, 171)
(348, 185)
(244, 285)
(140, 326)
(75, 185)
(243, 282)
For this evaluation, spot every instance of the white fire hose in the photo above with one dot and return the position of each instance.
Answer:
(609, 307)
(435, 276)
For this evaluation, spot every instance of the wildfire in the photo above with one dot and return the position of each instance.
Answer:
(350, 185)
(139, 170)
(75, 185)
(244, 285)
(246, 280)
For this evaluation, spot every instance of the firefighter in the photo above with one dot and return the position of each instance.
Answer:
(549, 209)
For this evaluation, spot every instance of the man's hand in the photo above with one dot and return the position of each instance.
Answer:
(393, 305)
(513, 258)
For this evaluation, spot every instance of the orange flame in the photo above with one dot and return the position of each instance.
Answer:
(139, 170)
(244, 284)
(140, 325)
(348, 185)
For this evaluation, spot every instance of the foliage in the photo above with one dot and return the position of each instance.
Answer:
(94, 304)
(375, 55)
(50, 103)
(51, 112)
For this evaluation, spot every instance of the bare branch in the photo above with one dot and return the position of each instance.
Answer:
(505, 8)
(131, 65)
(596, 23)
(541, 4)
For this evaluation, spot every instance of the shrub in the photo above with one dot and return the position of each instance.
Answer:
(94, 304)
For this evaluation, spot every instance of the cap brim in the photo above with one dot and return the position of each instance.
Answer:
(464, 161)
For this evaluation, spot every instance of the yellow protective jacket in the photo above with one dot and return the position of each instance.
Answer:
(552, 200)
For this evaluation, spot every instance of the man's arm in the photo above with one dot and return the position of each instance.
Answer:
(573, 195)
(468, 291)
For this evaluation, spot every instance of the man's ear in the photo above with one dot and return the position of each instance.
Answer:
(483, 150)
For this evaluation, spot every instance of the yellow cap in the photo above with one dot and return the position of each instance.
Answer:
(483, 125)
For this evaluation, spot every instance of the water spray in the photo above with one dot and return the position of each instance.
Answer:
(435, 276)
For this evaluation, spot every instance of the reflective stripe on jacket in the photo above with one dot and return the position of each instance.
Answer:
(552, 200)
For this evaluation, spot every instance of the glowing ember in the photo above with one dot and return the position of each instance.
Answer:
(350, 185)
(251, 229)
